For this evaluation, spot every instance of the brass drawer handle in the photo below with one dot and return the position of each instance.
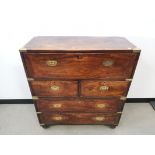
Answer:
(57, 105)
(100, 105)
(55, 88)
(104, 88)
(108, 63)
(99, 118)
(57, 118)
(51, 62)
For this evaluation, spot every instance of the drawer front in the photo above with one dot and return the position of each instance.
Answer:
(79, 105)
(54, 88)
(100, 88)
(78, 118)
(80, 66)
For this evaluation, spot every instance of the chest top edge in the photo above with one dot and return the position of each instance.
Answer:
(75, 44)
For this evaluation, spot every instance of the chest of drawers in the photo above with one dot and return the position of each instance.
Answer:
(79, 80)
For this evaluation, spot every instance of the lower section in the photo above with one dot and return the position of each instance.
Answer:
(78, 118)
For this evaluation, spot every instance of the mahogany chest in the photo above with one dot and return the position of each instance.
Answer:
(79, 80)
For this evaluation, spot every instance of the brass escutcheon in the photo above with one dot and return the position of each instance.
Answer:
(57, 118)
(57, 105)
(55, 88)
(51, 62)
(99, 118)
(100, 105)
(103, 88)
(108, 63)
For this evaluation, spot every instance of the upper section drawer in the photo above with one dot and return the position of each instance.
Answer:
(98, 88)
(54, 88)
(80, 66)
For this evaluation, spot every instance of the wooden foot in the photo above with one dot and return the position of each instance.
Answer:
(112, 126)
(45, 126)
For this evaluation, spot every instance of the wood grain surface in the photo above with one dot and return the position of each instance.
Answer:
(79, 118)
(80, 66)
(115, 88)
(77, 43)
(79, 105)
(54, 88)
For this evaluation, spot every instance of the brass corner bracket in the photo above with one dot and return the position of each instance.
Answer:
(120, 112)
(35, 97)
(30, 79)
(136, 50)
(128, 79)
(23, 50)
(123, 98)
(42, 124)
(39, 112)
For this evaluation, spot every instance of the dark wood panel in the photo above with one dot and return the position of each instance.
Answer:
(54, 88)
(79, 66)
(79, 105)
(78, 118)
(101, 88)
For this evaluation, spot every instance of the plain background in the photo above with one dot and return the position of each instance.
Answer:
(20, 20)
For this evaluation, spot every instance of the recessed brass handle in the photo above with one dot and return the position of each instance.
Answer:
(101, 105)
(104, 88)
(99, 118)
(57, 105)
(57, 118)
(55, 88)
(108, 63)
(51, 63)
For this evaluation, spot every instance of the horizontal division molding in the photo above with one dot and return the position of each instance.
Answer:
(30, 101)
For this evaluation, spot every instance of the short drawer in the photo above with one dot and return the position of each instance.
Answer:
(101, 88)
(79, 105)
(80, 66)
(78, 118)
(54, 88)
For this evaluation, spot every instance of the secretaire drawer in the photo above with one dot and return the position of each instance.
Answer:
(78, 118)
(80, 66)
(99, 88)
(79, 105)
(54, 88)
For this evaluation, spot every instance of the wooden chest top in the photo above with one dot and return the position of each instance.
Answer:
(76, 44)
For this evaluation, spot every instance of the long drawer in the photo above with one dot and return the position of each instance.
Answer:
(79, 105)
(80, 66)
(79, 118)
